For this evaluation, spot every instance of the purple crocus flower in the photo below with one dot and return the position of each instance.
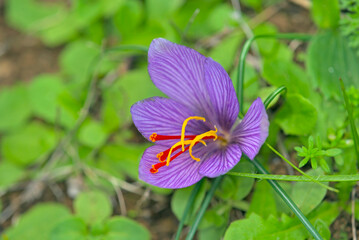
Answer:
(196, 130)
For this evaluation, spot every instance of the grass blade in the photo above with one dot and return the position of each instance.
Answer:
(293, 178)
(349, 109)
(189, 204)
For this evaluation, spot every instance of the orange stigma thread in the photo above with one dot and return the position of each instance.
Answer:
(165, 157)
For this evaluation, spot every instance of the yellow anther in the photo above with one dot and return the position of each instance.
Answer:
(159, 155)
(184, 128)
(153, 137)
(211, 133)
(187, 142)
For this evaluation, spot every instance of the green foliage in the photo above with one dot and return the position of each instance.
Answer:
(263, 202)
(38, 222)
(49, 221)
(297, 115)
(326, 13)
(329, 58)
(179, 201)
(9, 174)
(92, 207)
(92, 134)
(236, 188)
(255, 227)
(349, 23)
(14, 106)
(308, 196)
(28, 144)
(315, 154)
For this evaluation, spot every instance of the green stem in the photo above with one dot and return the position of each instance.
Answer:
(288, 201)
(303, 173)
(245, 50)
(351, 119)
(204, 206)
(292, 178)
(240, 81)
(273, 95)
(189, 204)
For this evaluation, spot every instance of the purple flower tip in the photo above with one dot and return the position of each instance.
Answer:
(194, 130)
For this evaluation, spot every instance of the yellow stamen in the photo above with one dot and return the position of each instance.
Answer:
(211, 133)
(153, 137)
(184, 128)
(178, 144)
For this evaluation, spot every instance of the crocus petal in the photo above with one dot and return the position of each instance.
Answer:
(182, 171)
(163, 116)
(197, 82)
(221, 161)
(222, 95)
(252, 131)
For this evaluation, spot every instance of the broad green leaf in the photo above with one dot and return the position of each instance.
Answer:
(326, 13)
(136, 85)
(180, 199)
(28, 144)
(330, 58)
(92, 134)
(323, 229)
(207, 12)
(159, 9)
(30, 15)
(214, 222)
(255, 4)
(70, 109)
(93, 207)
(38, 222)
(215, 217)
(221, 17)
(306, 195)
(226, 50)
(278, 73)
(124, 158)
(263, 202)
(128, 17)
(237, 188)
(245, 229)
(14, 107)
(9, 174)
(113, 109)
(73, 228)
(255, 227)
(121, 228)
(297, 115)
(267, 46)
(43, 93)
(77, 59)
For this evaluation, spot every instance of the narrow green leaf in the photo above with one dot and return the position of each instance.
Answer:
(333, 152)
(324, 178)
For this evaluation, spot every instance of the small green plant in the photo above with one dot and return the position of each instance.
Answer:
(316, 153)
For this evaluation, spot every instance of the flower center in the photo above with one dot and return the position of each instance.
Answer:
(185, 143)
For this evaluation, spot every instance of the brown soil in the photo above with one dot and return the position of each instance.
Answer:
(22, 56)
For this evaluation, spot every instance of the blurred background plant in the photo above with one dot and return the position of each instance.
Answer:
(70, 70)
